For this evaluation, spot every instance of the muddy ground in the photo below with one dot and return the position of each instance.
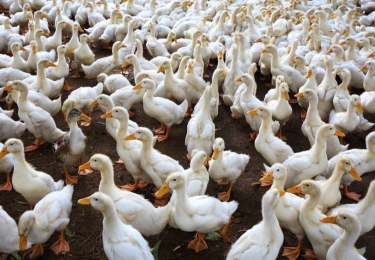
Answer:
(86, 223)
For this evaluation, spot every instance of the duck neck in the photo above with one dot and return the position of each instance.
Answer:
(73, 127)
(351, 52)
(110, 217)
(182, 199)
(334, 181)
(265, 126)
(17, 57)
(319, 147)
(39, 44)
(22, 100)
(129, 39)
(137, 67)
(19, 159)
(349, 238)
(312, 111)
(181, 69)
(107, 183)
(122, 130)
(312, 200)
(269, 217)
(152, 30)
(147, 145)
(61, 59)
(275, 61)
(278, 183)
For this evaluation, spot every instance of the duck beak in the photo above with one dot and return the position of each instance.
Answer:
(329, 51)
(8, 88)
(281, 193)
(107, 115)
(359, 108)
(295, 189)
(267, 178)
(80, 29)
(342, 43)
(252, 112)
(308, 37)
(264, 51)
(94, 103)
(23, 242)
(309, 73)
(215, 154)
(89, 40)
(363, 68)
(3, 152)
(208, 158)
(224, 75)
(220, 55)
(51, 64)
(175, 39)
(299, 94)
(33, 48)
(65, 116)
(309, 29)
(138, 86)
(22, 48)
(125, 65)
(328, 219)
(357, 44)
(339, 133)
(161, 69)
(370, 55)
(258, 40)
(353, 172)
(343, 32)
(163, 190)
(292, 62)
(85, 118)
(85, 166)
(68, 25)
(45, 34)
(84, 201)
(286, 95)
(70, 51)
(237, 79)
(189, 69)
(130, 137)
(123, 45)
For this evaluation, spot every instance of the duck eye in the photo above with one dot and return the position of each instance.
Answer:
(278, 170)
(308, 185)
(344, 217)
(174, 179)
(96, 199)
(116, 111)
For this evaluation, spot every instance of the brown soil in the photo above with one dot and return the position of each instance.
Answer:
(86, 223)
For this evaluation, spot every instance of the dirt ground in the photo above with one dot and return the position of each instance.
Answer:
(86, 223)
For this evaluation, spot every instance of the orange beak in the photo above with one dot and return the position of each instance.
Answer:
(94, 103)
(130, 137)
(107, 115)
(85, 166)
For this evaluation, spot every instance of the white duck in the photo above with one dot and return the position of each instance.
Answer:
(291, 76)
(307, 164)
(129, 151)
(131, 208)
(197, 176)
(10, 240)
(344, 246)
(62, 69)
(369, 82)
(165, 111)
(33, 185)
(226, 165)
(56, 40)
(262, 241)
(272, 148)
(35, 56)
(106, 64)
(288, 209)
(202, 214)
(249, 102)
(313, 121)
(49, 215)
(363, 209)
(83, 54)
(10, 128)
(363, 162)
(120, 240)
(39, 122)
(321, 235)
(157, 165)
(113, 82)
(280, 108)
(326, 90)
(331, 195)
(347, 121)
(200, 132)
(127, 97)
(105, 103)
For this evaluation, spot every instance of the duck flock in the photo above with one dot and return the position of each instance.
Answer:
(319, 52)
